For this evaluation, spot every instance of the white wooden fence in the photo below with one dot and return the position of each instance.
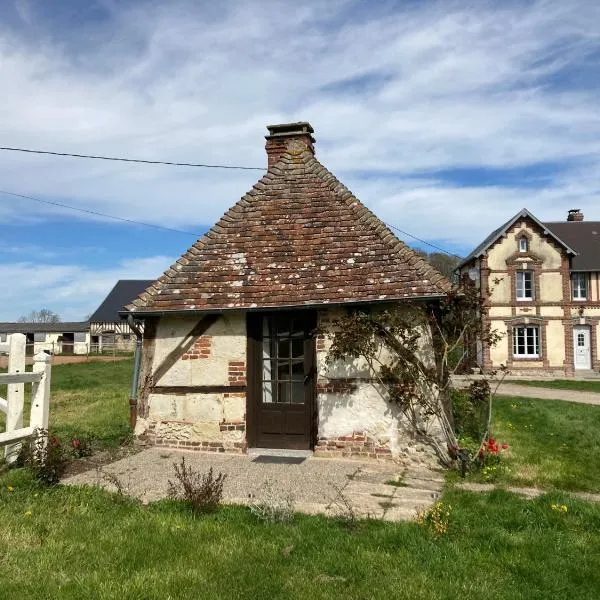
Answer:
(13, 404)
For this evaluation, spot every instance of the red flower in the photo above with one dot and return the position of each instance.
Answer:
(504, 446)
(75, 443)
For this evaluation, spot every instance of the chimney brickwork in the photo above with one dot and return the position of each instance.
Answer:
(280, 136)
(575, 215)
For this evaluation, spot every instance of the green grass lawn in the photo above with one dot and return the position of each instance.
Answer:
(73, 543)
(553, 444)
(563, 384)
(88, 398)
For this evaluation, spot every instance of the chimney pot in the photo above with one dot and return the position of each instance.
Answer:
(575, 215)
(280, 136)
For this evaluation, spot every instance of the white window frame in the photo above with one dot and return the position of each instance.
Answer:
(523, 244)
(529, 336)
(580, 291)
(520, 280)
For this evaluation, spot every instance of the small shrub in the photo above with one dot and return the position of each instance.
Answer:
(202, 491)
(436, 518)
(45, 456)
(272, 506)
(82, 446)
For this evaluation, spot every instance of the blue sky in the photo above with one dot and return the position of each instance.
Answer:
(445, 118)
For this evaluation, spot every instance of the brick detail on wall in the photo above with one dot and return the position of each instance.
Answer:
(151, 439)
(357, 445)
(201, 348)
(237, 372)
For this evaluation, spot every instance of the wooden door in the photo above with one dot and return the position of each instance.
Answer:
(281, 379)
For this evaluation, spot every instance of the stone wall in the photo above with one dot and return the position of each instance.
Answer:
(200, 401)
(354, 418)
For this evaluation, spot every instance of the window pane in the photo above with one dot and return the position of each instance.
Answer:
(297, 348)
(283, 371)
(298, 370)
(283, 347)
(519, 285)
(284, 392)
(268, 369)
(267, 392)
(297, 393)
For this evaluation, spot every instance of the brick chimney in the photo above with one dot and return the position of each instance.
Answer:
(281, 135)
(575, 215)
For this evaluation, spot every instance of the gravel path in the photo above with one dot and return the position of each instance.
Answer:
(318, 485)
(529, 391)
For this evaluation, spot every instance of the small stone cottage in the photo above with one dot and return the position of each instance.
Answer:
(231, 359)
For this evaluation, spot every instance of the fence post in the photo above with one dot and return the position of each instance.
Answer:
(15, 393)
(40, 392)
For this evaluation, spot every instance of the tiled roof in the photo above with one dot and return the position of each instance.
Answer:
(123, 293)
(68, 327)
(297, 238)
(584, 238)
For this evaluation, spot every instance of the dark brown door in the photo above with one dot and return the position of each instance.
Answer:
(281, 386)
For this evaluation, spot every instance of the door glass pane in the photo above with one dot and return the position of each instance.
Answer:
(297, 393)
(267, 392)
(581, 339)
(284, 348)
(267, 369)
(298, 370)
(297, 348)
(283, 370)
(284, 392)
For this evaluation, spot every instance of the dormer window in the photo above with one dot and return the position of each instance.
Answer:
(523, 244)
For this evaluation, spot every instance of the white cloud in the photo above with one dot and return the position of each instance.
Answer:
(444, 85)
(70, 290)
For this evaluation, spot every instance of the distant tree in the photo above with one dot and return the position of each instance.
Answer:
(444, 263)
(44, 315)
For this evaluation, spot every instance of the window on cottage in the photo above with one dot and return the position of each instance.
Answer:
(80, 336)
(524, 283)
(579, 284)
(39, 337)
(3, 337)
(526, 341)
(523, 245)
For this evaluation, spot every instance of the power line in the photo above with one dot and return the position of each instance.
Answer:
(99, 214)
(134, 222)
(132, 160)
(414, 237)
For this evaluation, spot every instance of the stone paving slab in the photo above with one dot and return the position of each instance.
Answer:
(315, 484)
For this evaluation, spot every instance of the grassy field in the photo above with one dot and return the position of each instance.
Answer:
(89, 398)
(563, 384)
(85, 543)
(553, 444)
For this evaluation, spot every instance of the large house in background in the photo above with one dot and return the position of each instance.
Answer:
(541, 284)
(236, 332)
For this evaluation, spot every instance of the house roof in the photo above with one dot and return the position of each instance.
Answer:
(67, 327)
(124, 291)
(501, 231)
(584, 238)
(299, 237)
